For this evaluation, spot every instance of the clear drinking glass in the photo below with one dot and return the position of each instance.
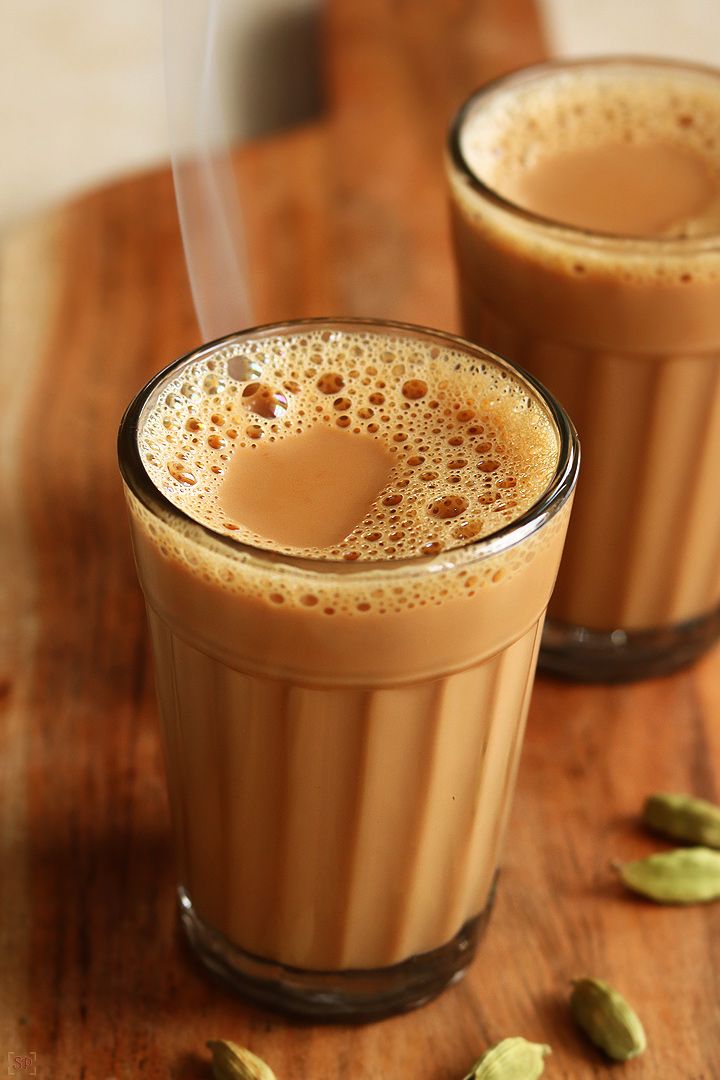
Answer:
(340, 773)
(625, 330)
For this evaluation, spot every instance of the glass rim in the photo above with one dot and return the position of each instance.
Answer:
(553, 498)
(617, 243)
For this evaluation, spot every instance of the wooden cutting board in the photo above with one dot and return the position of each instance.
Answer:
(343, 217)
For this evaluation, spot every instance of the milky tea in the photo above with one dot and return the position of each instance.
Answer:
(586, 219)
(347, 535)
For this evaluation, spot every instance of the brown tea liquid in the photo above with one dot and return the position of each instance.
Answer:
(615, 307)
(342, 727)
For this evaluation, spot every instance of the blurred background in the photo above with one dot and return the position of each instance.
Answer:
(82, 89)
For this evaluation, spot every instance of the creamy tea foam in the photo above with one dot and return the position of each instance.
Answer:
(626, 151)
(359, 448)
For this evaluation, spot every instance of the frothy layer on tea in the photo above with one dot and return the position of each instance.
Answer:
(623, 151)
(348, 446)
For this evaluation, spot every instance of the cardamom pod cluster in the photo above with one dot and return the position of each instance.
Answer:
(683, 876)
(607, 1019)
(682, 817)
(511, 1059)
(233, 1062)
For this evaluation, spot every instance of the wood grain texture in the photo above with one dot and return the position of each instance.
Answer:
(95, 978)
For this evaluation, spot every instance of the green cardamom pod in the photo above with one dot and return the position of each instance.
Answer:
(511, 1059)
(233, 1062)
(683, 817)
(607, 1019)
(683, 876)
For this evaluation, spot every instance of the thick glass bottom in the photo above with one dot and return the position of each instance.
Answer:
(351, 996)
(624, 656)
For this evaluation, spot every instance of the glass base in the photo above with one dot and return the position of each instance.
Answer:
(622, 656)
(352, 995)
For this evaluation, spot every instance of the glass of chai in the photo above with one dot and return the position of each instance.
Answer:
(586, 216)
(347, 534)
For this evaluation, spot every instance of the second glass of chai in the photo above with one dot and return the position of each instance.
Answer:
(586, 218)
(347, 534)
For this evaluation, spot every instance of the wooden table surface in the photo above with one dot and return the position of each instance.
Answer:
(344, 217)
